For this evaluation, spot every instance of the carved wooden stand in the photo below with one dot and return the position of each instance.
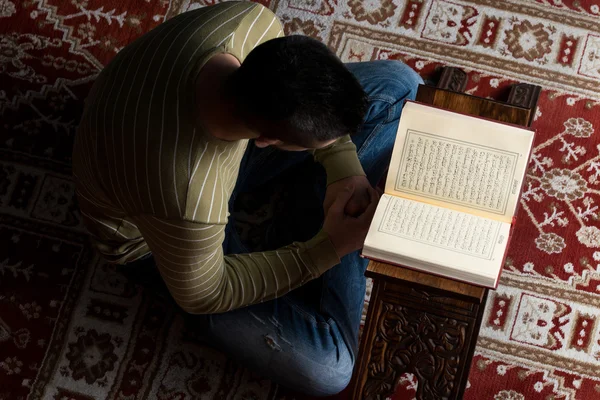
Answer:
(420, 323)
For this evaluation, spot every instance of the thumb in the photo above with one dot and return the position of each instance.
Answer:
(342, 199)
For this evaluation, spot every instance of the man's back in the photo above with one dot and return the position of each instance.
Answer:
(139, 150)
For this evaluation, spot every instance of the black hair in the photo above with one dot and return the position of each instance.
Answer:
(299, 85)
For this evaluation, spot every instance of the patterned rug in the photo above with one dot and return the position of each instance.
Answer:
(72, 327)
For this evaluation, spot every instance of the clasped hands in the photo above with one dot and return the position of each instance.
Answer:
(349, 207)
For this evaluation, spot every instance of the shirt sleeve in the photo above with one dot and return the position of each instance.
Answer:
(203, 280)
(339, 160)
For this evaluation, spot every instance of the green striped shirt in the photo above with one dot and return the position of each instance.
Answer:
(149, 179)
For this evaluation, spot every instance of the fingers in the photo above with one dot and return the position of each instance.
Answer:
(374, 195)
(358, 203)
(354, 207)
(342, 199)
(370, 211)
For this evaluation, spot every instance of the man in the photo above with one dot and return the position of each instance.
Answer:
(203, 104)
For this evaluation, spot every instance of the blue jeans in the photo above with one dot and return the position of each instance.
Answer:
(307, 340)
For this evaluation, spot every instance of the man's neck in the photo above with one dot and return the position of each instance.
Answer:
(217, 113)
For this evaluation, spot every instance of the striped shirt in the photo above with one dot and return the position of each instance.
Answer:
(149, 179)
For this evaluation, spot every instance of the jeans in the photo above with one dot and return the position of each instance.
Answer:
(307, 340)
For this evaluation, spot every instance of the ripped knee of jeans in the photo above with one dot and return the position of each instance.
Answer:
(272, 343)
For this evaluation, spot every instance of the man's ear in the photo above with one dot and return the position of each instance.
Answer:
(262, 142)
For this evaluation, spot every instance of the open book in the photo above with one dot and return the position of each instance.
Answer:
(451, 195)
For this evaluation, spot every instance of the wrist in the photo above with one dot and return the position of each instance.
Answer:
(347, 179)
(333, 242)
(340, 247)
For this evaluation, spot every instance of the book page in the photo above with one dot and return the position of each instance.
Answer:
(457, 244)
(440, 227)
(465, 163)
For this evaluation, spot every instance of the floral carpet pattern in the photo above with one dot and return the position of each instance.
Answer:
(73, 327)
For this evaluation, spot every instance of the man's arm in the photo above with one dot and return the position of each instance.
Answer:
(339, 160)
(343, 168)
(203, 280)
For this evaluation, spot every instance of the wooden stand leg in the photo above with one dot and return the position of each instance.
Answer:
(453, 79)
(526, 96)
(418, 330)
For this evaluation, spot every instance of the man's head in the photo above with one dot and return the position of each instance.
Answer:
(294, 93)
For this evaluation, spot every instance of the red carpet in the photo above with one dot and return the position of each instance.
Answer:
(73, 328)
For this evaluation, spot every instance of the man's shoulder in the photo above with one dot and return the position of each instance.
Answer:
(219, 13)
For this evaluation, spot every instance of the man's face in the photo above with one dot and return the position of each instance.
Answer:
(267, 134)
